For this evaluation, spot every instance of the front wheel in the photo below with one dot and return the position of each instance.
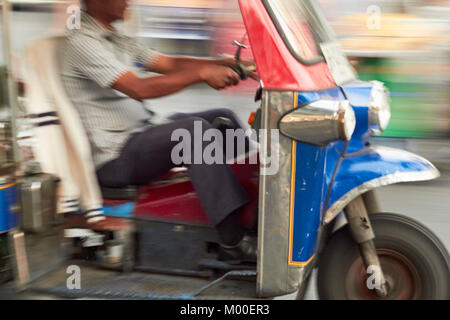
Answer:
(415, 263)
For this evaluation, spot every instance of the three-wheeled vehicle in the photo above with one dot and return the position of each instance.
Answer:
(312, 187)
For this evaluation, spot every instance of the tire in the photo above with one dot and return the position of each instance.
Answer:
(415, 263)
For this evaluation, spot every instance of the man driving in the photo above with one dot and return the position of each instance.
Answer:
(103, 79)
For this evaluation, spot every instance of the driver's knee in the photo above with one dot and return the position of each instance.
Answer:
(226, 113)
(195, 123)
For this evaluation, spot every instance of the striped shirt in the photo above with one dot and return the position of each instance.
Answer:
(95, 58)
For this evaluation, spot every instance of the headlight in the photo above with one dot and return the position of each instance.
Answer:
(320, 122)
(379, 108)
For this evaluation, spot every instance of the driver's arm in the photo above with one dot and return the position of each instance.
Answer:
(168, 64)
(94, 62)
(218, 77)
(165, 64)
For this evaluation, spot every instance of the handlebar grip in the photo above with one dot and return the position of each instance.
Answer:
(241, 71)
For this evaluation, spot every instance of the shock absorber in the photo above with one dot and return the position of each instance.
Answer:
(363, 235)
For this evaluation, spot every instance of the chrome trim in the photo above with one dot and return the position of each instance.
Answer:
(320, 122)
(379, 103)
(390, 179)
(274, 276)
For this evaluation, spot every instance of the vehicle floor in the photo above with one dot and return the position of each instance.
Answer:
(99, 283)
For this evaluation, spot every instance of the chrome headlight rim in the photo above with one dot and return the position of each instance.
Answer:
(347, 120)
(379, 108)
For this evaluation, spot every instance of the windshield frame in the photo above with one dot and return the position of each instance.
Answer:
(321, 19)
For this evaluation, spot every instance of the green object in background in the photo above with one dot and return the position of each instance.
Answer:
(414, 108)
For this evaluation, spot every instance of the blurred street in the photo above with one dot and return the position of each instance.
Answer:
(409, 53)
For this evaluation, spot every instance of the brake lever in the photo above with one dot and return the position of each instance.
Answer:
(243, 71)
(239, 68)
(240, 46)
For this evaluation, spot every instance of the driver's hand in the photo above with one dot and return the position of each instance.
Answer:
(249, 63)
(227, 60)
(218, 76)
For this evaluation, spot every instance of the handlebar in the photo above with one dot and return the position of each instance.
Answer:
(245, 72)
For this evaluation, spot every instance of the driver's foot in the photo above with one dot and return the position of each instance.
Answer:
(244, 251)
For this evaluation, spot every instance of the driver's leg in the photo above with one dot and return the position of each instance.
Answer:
(147, 156)
(211, 115)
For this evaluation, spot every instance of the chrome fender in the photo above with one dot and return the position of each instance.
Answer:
(372, 168)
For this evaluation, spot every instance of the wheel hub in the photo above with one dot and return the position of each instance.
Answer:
(401, 275)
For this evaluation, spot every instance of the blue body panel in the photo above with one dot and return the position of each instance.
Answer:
(309, 187)
(375, 163)
(8, 199)
(323, 175)
(313, 169)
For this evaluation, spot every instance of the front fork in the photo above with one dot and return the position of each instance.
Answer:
(362, 232)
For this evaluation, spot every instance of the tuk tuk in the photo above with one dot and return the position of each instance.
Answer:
(312, 207)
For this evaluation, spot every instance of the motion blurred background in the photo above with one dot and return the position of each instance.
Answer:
(402, 43)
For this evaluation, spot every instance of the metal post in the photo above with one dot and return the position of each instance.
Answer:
(20, 258)
(371, 201)
(12, 89)
(16, 237)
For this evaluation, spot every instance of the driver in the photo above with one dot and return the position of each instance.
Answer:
(103, 78)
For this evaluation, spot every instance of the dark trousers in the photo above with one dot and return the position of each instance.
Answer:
(147, 155)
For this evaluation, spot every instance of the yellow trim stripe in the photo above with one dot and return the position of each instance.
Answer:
(8, 186)
(291, 209)
(302, 264)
